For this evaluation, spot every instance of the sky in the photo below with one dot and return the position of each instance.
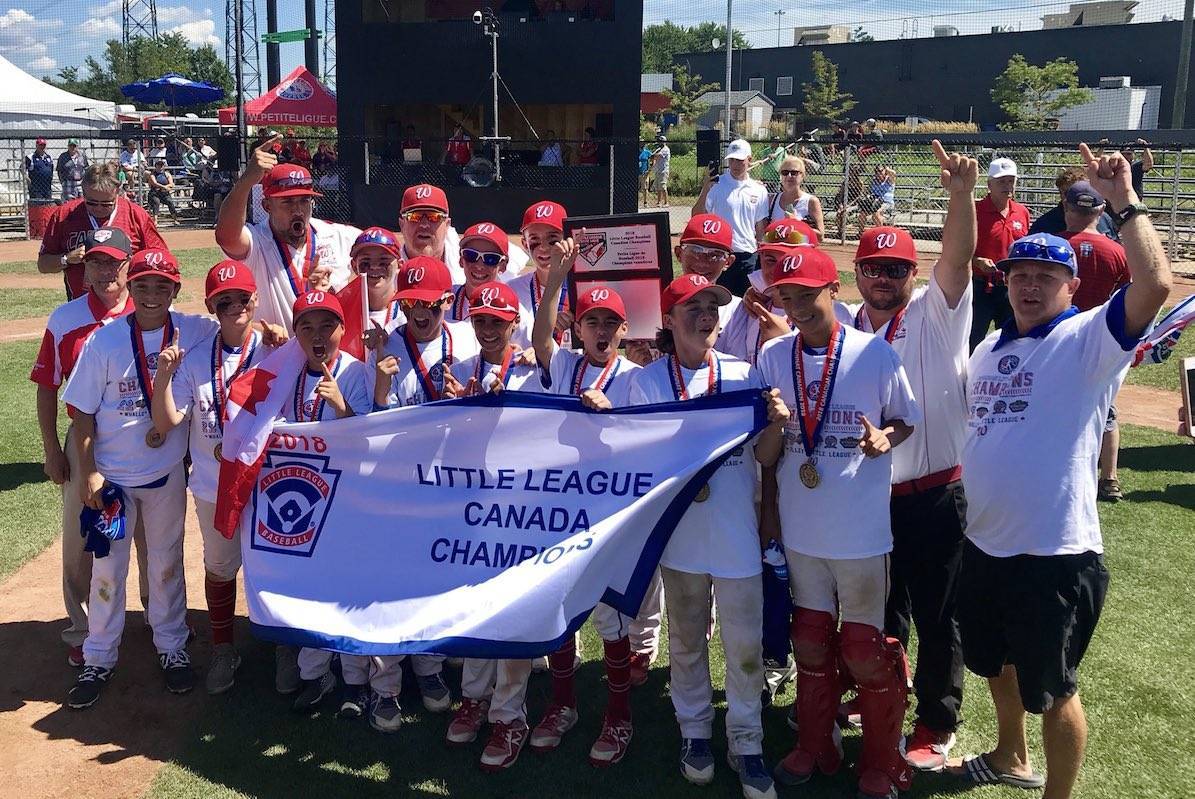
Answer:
(43, 36)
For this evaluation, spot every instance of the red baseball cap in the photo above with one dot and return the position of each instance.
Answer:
(805, 266)
(886, 242)
(375, 237)
(600, 296)
(226, 276)
(708, 229)
(289, 180)
(41, 141)
(154, 262)
(424, 195)
(544, 212)
(785, 233)
(490, 232)
(316, 301)
(494, 298)
(686, 287)
(424, 278)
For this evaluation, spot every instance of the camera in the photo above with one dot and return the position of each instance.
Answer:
(477, 17)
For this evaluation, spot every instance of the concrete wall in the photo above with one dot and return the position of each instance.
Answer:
(944, 77)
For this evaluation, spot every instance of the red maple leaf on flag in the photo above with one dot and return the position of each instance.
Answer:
(250, 389)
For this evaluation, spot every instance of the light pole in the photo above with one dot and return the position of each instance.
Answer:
(779, 13)
(1179, 109)
(729, 52)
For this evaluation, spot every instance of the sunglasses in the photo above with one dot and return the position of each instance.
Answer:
(1057, 253)
(706, 253)
(788, 173)
(98, 203)
(435, 217)
(893, 271)
(433, 307)
(472, 256)
(793, 236)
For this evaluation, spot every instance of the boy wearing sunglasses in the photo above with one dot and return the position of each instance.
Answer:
(484, 252)
(426, 228)
(929, 328)
(543, 226)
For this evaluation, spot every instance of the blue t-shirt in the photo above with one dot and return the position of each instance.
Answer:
(41, 175)
(884, 190)
(644, 160)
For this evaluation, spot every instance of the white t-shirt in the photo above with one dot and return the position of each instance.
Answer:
(524, 287)
(847, 514)
(569, 366)
(452, 256)
(797, 210)
(104, 383)
(350, 374)
(663, 162)
(389, 317)
(742, 203)
(275, 293)
(720, 536)
(455, 343)
(740, 332)
(194, 396)
(1037, 411)
(518, 377)
(932, 342)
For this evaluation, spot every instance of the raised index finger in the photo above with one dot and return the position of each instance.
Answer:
(1085, 153)
(939, 152)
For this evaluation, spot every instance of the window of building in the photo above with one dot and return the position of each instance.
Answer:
(784, 86)
(755, 84)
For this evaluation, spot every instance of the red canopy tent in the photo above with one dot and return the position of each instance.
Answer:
(299, 99)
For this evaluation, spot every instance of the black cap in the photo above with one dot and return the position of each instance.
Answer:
(109, 241)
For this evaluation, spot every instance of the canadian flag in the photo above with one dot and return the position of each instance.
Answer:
(354, 299)
(255, 400)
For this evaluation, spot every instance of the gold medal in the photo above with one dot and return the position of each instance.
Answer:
(154, 439)
(808, 473)
(704, 493)
(218, 452)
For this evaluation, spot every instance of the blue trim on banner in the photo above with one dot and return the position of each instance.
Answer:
(627, 603)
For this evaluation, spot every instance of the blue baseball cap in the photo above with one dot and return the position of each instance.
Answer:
(1040, 247)
(1082, 195)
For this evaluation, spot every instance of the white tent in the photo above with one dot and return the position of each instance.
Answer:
(32, 104)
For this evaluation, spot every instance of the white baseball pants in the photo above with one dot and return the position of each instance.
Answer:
(502, 682)
(383, 673)
(854, 589)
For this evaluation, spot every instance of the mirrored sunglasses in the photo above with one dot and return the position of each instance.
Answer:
(435, 217)
(707, 253)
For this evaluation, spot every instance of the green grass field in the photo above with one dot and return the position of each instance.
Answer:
(193, 263)
(1136, 686)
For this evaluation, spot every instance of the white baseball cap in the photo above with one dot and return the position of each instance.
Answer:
(740, 149)
(1000, 167)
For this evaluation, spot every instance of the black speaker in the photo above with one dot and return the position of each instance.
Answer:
(709, 146)
(228, 154)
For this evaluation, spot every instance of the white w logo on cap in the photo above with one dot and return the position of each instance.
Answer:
(698, 280)
(314, 297)
(543, 211)
(486, 228)
(599, 295)
(423, 192)
(886, 240)
(225, 273)
(154, 258)
(488, 296)
(783, 231)
(711, 226)
(416, 275)
(791, 263)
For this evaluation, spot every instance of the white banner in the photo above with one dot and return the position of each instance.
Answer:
(482, 527)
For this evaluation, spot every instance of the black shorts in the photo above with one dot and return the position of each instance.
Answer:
(1037, 613)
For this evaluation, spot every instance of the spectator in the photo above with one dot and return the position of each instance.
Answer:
(161, 186)
(879, 199)
(587, 153)
(158, 151)
(190, 156)
(1001, 220)
(213, 185)
(206, 151)
(551, 155)
(40, 169)
(661, 160)
(458, 151)
(742, 201)
(854, 133)
(411, 146)
(324, 160)
(792, 200)
(873, 129)
(300, 154)
(644, 168)
(70, 170)
(1102, 270)
(1054, 220)
(131, 158)
(769, 165)
(849, 197)
(1139, 168)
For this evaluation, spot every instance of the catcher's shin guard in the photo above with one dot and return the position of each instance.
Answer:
(814, 645)
(880, 669)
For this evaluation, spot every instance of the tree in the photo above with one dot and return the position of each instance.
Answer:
(861, 35)
(823, 100)
(1032, 96)
(662, 42)
(145, 59)
(686, 88)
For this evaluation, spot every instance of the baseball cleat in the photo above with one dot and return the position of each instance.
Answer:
(926, 750)
(504, 745)
(556, 722)
(436, 697)
(640, 667)
(314, 692)
(176, 665)
(613, 743)
(697, 761)
(354, 701)
(467, 721)
(221, 674)
(286, 670)
(87, 688)
(753, 776)
(386, 715)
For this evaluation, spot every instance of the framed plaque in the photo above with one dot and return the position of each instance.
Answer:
(631, 253)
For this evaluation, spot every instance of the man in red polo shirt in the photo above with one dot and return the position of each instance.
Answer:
(100, 206)
(1000, 221)
(1102, 270)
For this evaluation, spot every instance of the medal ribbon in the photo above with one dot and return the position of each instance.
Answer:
(503, 371)
(219, 385)
(604, 379)
(425, 379)
(537, 295)
(812, 419)
(141, 362)
(298, 282)
(680, 390)
(893, 323)
(460, 305)
(317, 405)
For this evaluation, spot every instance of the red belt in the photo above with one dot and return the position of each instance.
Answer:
(921, 484)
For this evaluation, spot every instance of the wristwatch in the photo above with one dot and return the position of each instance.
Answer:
(1128, 212)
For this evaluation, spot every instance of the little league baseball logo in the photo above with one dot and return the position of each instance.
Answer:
(593, 247)
(291, 502)
(297, 89)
